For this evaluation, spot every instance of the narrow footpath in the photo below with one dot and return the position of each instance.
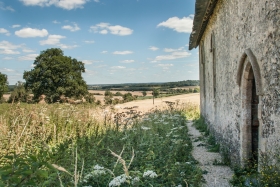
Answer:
(215, 175)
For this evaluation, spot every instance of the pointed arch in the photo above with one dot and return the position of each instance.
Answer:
(256, 70)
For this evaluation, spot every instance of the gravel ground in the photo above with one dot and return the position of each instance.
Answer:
(216, 176)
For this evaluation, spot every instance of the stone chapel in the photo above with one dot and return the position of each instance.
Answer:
(239, 52)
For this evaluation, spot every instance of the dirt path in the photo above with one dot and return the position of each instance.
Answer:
(216, 176)
(146, 105)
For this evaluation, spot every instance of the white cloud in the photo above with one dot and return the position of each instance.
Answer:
(153, 48)
(64, 46)
(87, 61)
(127, 61)
(56, 22)
(89, 41)
(104, 52)
(6, 70)
(103, 32)
(15, 26)
(165, 66)
(97, 1)
(71, 28)
(55, 40)
(26, 50)
(118, 67)
(180, 25)
(52, 40)
(9, 48)
(104, 28)
(173, 56)
(29, 33)
(122, 52)
(168, 50)
(8, 58)
(4, 31)
(65, 4)
(28, 57)
(3, 7)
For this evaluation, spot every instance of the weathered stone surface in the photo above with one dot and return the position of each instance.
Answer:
(234, 27)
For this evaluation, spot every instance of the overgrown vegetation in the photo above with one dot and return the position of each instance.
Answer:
(267, 175)
(211, 143)
(83, 145)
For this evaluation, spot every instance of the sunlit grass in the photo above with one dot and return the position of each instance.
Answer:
(67, 145)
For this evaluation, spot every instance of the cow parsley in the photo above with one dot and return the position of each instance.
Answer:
(150, 174)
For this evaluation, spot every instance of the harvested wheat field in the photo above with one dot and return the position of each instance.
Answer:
(146, 105)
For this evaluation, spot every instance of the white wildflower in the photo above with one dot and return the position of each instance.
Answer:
(135, 180)
(98, 170)
(177, 163)
(118, 180)
(97, 167)
(145, 128)
(188, 163)
(150, 174)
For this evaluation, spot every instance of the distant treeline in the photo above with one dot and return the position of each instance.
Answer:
(144, 86)
(137, 86)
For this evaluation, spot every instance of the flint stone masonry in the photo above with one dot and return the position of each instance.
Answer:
(241, 44)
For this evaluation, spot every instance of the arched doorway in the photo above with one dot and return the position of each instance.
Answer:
(250, 84)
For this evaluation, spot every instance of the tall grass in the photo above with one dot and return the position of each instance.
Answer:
(65, 145)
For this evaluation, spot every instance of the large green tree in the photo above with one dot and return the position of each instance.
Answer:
(3, 84)
(54, 75)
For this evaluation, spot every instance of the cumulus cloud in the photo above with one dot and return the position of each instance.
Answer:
(105, 28)
(173, 56)
(122, 52)
(52, 40)
(55, 40)
(168, 50)
(64, 46)
(183, 25)
(31, 33)
(15, 26)
(87, 61)
(28, 57)
(89, 41)
(3, 7)
(6, 70)
(65, 4)
(9, 48)
(4, 31)
(104, 52)
(118, 67)
(127, 61)
(26, 50)
(56, 22)
(165, 66)
(153, 48)
(71, 28)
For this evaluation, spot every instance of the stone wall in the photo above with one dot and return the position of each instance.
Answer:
(235, 26)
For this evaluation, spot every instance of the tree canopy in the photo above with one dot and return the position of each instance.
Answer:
(3, 84)
(54, 75)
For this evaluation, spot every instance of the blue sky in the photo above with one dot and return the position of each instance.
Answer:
(120, 41)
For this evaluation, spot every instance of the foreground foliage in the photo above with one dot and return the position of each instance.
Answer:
(62, 145)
